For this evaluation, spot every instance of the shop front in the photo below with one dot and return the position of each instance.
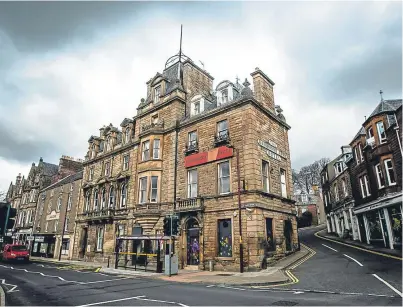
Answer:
(382, 221)
(43, 245)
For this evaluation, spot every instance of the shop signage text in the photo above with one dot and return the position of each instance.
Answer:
(208, 156)
(30, 238)
(39, 239)
(271, 150)
(52, 216)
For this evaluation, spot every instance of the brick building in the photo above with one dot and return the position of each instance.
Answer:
(57, 206)
(374, 171)
(311, 202)
(178, 155)
(375, 174)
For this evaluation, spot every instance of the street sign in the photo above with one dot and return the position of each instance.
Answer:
(40, 239)
(30, 238)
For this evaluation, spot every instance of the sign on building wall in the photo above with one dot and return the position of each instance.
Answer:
(52, 216)
(271, 150)
(40, 239)
(215, 154)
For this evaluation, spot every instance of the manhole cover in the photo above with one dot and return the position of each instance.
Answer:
(284, 303)
(224, 274)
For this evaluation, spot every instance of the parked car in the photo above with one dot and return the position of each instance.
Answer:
(15, 252)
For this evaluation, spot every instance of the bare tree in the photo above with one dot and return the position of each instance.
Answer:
(309, 175)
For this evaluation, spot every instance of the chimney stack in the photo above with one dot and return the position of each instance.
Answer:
(263, 89)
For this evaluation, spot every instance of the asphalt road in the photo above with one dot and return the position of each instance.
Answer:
(328, 278)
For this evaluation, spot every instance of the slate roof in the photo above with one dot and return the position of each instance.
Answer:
(361, 132)
(50, 169)
(386, 106)
(65, 180)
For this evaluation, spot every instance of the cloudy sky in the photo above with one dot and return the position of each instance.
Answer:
(66, 69)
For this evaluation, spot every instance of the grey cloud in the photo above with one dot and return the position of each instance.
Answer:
(37, 26)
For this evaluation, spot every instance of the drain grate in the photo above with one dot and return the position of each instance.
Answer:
(284, 303)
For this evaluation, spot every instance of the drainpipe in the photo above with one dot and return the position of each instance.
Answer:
(176, 160)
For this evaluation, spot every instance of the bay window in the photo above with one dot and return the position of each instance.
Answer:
(143, 190)
(390, 173)
(156, 149)
(381, 132)
(145, 151)
(379, 176)
(154, 189)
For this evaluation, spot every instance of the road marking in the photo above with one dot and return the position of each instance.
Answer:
(359, 248)
(3, 282)
(298, 292)
(329, 247)
(353, 259)
(388, 284)
(209, 286)
(99, 281)
(112, 301)
(140, 298)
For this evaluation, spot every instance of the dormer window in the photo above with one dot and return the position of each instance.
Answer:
(196, 108)
(224, 95)
(370, 133)
(108, 144)
(157, 94)
(127, 135)
(154, 119)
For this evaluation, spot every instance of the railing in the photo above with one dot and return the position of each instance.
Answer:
(190, 204)
(104, 213)
(153, 126)
(191, 147)
(222, 137)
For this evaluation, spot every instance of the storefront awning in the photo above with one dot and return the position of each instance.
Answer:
(386, 201)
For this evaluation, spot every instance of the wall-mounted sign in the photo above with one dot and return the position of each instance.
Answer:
(52, 216)
(271, 150)
(39, 239)
(30, 238)
(218, 153)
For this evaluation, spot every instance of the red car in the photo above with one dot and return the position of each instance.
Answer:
(15, 252)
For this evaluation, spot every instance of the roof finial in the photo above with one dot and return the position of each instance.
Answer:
(381, 92)
(237, 79)
(180, 56)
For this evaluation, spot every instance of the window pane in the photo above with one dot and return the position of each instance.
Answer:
(269, 235)
(224, 169)
(222, 125)
(154, 188)
(225, 185)
(224, 238)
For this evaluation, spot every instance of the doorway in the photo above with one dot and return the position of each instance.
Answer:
(84, 242)
(193, 242)
(288, 235)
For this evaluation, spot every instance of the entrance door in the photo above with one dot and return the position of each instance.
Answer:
(288, 235)
(361, 228)
(84, 242)
(193, 244)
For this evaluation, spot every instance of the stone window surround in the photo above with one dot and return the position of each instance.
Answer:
(148, 175)
(379, 173)
(217, 219)
(125, 164)
(100, 239)
(218, 176)
(145, 150)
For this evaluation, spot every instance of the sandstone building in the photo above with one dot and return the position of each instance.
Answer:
(178, 155)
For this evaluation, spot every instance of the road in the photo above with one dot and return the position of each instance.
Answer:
(327, 278)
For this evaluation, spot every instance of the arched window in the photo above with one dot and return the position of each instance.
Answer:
(96, 194)
(103, 198)
(87, 201)
(123, 195)
(111, 197)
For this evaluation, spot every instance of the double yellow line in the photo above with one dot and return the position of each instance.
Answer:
(356, 247)
(288, 272)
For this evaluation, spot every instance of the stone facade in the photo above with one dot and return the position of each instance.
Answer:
(57, 207)
(179, 101)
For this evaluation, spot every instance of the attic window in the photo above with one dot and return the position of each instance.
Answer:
(196, 107)
(154, 119)
(224, 94)
(157, 94)
(127, 135)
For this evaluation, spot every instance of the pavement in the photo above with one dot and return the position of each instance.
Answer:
(276, 274)
(332, 274)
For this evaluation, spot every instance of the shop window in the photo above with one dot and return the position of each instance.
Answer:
(271, 246)
(395, 216)
(224, 238)
(65, 247)
(374, 224)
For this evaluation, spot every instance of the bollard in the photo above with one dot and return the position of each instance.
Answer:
(109, 257)
(211, 265)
